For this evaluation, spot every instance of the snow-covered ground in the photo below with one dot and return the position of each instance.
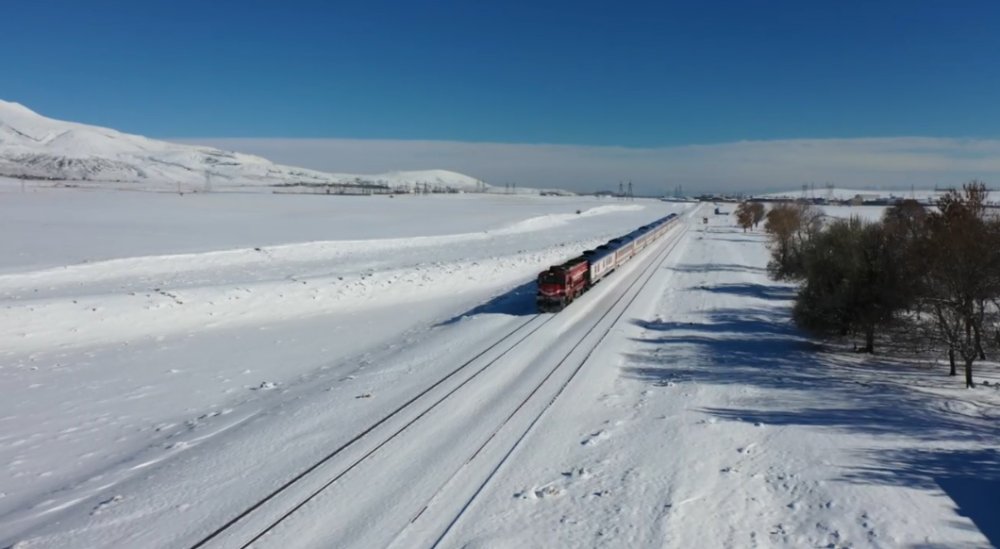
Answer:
(51, 227)
(377, 365)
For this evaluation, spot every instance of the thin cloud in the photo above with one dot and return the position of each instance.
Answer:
(750, 166)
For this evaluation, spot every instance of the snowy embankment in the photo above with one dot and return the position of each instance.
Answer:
(124, 361)
(121, 300)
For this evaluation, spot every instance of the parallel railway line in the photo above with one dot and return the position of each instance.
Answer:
(404, 417)
(631, 293)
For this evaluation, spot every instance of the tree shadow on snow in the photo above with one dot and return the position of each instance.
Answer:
(716, 267)
(970, 477)
(723, 229)
(748, 237)
(752, 346)
(761, 348)
(519, 301)
(760, 291)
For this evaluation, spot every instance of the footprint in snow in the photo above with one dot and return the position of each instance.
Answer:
(100, 507)
(580, 473)
(542, 492)
(746, 449)
(595, 438)
(557, 487)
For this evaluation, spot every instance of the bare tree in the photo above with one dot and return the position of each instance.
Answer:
(757, 211)
(852, 281)
(960, 281)
(938, 270)
(790, 225)
(744, 215)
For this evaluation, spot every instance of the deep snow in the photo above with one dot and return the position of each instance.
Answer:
(159, 381)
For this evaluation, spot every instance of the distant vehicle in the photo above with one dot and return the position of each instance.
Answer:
(559, 285)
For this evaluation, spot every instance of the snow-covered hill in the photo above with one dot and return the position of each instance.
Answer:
(35, 147)
(430, 180)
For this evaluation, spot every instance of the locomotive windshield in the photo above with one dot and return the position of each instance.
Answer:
(550, 277)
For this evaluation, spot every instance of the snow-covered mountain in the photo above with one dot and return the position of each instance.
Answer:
(431, 179)
(35, 147)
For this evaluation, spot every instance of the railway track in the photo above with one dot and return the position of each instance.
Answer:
(279, 507)
(597, 333)
(516, 335)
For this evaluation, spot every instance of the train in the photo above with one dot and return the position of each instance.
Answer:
(560, 284)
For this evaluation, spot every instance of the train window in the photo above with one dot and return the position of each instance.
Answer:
(549, 277)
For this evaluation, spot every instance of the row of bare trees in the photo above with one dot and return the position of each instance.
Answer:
(749, 214)
(930, 271)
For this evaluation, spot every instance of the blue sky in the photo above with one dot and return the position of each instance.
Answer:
(654, 74)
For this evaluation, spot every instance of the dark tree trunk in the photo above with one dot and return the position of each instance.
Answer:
(951, 359)
(980, 350)
(869, 340)
(977, 334)
(968, 372)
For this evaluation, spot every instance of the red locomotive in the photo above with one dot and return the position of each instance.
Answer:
(561, 284)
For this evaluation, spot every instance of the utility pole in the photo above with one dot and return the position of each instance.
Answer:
(630, 195)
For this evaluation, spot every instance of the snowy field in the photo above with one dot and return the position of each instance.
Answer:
(47, 227)
(307, 371)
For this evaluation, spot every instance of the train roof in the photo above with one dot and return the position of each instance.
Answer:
(566, 265)
(619, 242)
(598, 253)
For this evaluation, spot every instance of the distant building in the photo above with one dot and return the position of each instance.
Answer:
(860, 199)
